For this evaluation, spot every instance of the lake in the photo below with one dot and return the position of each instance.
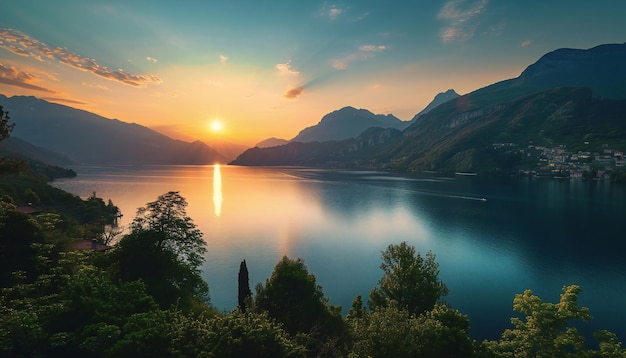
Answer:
(493, 237)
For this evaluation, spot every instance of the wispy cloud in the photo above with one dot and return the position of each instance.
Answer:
(24, 45)
(100, 87)
(332, 11)
(364, 52)
(460, 16)
(12, 76)
(152, 59)
(526, 43)
(293, 93)
(285, 69)
(223, 58)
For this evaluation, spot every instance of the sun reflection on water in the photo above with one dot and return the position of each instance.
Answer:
(217, 190)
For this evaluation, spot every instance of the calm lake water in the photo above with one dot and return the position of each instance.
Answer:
(493, 237)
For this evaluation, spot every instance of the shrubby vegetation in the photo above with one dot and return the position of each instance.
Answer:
(145, 296)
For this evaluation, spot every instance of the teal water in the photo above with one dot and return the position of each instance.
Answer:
(493, 237)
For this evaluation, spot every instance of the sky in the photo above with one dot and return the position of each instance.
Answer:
(243, 71)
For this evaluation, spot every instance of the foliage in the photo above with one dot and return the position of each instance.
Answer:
(5, 126)
(63, 309)
(389, 331)
(409, 279)
(171, 333)
(250, 335)
(292, 297)
(165, 250)
(244, 295)
(17, 234)
(545, 330)
(166, 219)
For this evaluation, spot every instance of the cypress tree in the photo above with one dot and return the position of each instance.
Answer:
(244, 286)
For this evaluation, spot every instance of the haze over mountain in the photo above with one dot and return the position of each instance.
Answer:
(16, 148)
(459, 135)
(271, 142)
(87, 138)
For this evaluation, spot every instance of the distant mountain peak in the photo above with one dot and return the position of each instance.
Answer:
(347, 122)
(271, 142)
(440, 98)
(600, 68)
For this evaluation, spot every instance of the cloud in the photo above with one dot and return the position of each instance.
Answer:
(100, 87)
(332, 11)
(223, 59)
(152, 59)
(285, 69)
(526, 43)
(364, 52)
(14, 77)
(24, 45)
(293, 93)
(461, 18)
(372, 48)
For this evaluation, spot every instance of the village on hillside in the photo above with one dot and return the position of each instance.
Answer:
(559, 162)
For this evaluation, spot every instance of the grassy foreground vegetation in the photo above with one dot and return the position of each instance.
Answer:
(145, 296)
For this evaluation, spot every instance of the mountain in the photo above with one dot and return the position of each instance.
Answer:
(271, 142)
(494, 129)
(600, 68)
(496, 136)
(347, 122)
(440, 98)
(16, 148)
(87, 138)
(492, 138)
(315, 154)
(228, 150)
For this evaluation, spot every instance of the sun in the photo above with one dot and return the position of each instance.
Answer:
(216, 126)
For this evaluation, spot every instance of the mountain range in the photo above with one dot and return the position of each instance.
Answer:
(86, 138)
(568, 97)
(349, 122)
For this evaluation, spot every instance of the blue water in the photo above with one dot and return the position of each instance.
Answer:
(493, 237)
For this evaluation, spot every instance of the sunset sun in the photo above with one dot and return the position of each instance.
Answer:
(216, 126)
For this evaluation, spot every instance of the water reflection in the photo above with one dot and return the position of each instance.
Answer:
(217, 190)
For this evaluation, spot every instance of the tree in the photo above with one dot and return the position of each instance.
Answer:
(409, 279)
(5, 127)
(171, 333)
(545, 330)
(165, 250)
(244, 294)
(293, 298)
(392, 332)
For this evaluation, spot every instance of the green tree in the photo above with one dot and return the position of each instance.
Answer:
(5, 126)
(389, 331)
(171, 333)
(18, 233)
(292, 297)
(409, 279)
(165, 250)
(244, 295)
(545, 330)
